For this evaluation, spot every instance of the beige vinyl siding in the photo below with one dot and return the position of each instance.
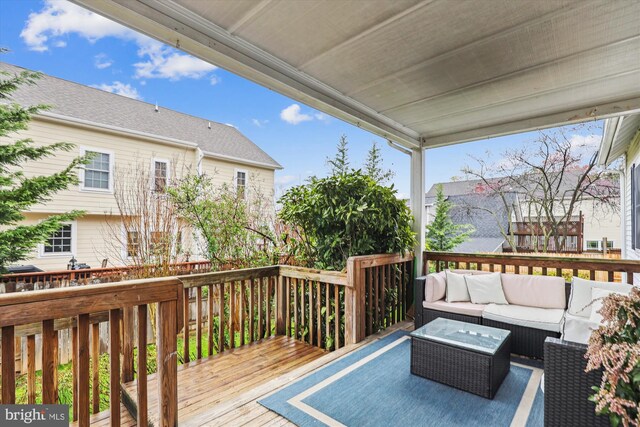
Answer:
(224, 172)
(91, 245)
(127, 152)
(600, 222)
(94, 231)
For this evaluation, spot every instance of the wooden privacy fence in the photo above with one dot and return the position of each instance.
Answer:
(62, 278)
(81, 308)
(594, 269)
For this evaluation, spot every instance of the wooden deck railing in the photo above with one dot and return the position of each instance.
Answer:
(381, 292)
(221, 310)
(43, 312)
(591, 268)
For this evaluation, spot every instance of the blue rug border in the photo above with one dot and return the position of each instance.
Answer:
(277, 402)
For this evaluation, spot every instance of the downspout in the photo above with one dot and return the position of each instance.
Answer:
(623, 206)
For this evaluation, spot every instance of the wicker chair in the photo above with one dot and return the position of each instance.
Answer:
(567, 386)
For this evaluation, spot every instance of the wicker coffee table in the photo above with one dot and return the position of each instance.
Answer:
(470, 357)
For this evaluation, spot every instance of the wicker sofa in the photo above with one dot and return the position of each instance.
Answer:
(535, 311)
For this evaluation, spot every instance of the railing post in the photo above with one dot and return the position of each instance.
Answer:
(281, 307)
(166, 325)
(127, 344)
(354, 303)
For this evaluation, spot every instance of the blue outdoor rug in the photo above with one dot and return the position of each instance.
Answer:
(373, 386)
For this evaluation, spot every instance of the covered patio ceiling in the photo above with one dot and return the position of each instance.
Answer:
(421, 73)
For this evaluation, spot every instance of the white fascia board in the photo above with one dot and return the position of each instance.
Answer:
(211, 155)
(175, 25)
(598, 112)
(611, 129)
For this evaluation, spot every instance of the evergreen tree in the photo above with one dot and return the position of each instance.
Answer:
(340, 163)
(442, 233)
(19, 192)
(373, 166)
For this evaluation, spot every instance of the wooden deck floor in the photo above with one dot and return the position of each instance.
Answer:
(223, 390)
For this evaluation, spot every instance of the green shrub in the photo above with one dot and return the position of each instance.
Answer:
(344, 215)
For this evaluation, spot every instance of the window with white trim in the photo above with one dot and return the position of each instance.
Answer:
(97, 173)
(160, 175)
(593, 244)
(133, 243)
(60, 242)
(241, 184)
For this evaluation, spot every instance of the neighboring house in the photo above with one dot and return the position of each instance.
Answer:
(621, 140)
(486, 214)
(125, 133)
(476, 208)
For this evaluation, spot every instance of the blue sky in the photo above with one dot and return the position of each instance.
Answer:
(62, 40)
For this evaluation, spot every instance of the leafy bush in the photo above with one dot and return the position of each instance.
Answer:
(347, 214)
(615, 348)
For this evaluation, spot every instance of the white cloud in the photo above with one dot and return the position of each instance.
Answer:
(119, 88)
(322, 117)
(585, 141)
(286, 179)
(165, 62)
(102, 61)
(214, 80)
(292, 115)
(59, 18)
(259, 123)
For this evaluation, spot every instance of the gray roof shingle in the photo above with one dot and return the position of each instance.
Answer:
(86, 103)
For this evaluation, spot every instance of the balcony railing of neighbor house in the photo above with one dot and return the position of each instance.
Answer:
(591, 268)
(221, 310)
(530, 236)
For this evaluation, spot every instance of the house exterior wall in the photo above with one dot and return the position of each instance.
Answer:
(632, 157)
(600, 222)
(94, 232)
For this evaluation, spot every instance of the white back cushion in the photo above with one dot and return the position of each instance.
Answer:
(456, 288)
(597, 295)
(486, 289)
(580, 300)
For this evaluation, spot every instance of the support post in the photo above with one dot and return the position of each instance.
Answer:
(354, 309)
(417, 204)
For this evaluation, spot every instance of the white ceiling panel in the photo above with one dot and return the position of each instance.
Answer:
(422, 73)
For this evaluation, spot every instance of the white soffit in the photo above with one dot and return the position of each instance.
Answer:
(432, 72)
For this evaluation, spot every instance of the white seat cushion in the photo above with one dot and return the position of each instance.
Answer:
(466, 308)
(577, 329)
(548, 319)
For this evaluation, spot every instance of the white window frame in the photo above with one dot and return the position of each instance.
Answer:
(112, 160)
(125, 241)
(246, 181)
(153, 172)
(74, 243)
